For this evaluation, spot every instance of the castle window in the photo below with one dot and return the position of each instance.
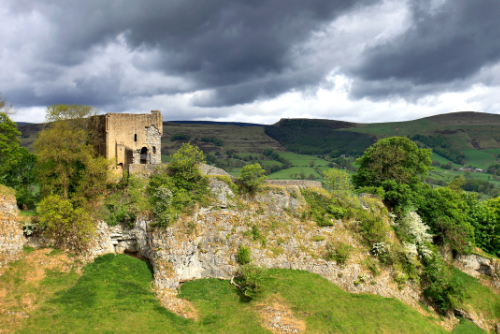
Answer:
(135, 137)
(154, 149)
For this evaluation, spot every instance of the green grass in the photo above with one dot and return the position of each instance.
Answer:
(114, 295)
(442, 160)
(480, 298)
(166, 158)
(467, 327)
(300, 160)
(478, 159)
(284, 174)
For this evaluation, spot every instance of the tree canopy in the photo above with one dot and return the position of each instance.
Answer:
(395, 158)
(68, 162)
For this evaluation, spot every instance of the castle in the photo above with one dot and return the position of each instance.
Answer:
(132, 140)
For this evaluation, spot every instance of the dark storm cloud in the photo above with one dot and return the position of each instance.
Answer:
(444, 45)
(215, 43)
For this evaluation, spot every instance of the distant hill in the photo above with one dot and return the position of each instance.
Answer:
(214, 123)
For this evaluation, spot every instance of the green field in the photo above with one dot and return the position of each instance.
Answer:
(114, 296)
(478, 159)
(302, 160)
(284, 174)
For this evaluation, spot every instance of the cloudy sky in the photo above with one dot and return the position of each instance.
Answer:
(252, 60)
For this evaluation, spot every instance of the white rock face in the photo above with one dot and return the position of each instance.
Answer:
(205, 244)
(12, 239)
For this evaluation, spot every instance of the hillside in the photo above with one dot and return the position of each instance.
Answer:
(305, 148)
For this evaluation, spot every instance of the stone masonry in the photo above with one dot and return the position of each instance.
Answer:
(130, 139)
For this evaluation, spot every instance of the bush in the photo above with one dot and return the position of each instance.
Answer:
(243, 255)
(252, 279)
(70, 227)
(445, 289)
(251, 177)
(338, 251)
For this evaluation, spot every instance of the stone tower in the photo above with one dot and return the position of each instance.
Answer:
(132, 140)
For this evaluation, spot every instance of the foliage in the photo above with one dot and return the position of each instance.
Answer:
(337, 180)
(446, 212)
(251, 177)
(442, 146)
(68, 163)
(316, 137)
(485, 218)
(338, 251)
(481, 186)
(414, 231)
(445, 289)
(128, 201)
(244, 255)
(16, 163)
(397, 165)
(179, 136)
(184, 166)
(171, 194)
(70, 226)
(214, 140)
(252, 280)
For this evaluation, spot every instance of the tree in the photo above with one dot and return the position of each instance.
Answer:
(6, 108)
(395, 158)
(68, 163)
(338, 179)
(184, 167)
(397, 166)
(9, 145)
(16, 163)
(251, 177)
(69, 226)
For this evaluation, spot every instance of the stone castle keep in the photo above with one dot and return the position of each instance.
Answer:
(133, 140)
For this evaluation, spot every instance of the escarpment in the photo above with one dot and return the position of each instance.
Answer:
(205, 244)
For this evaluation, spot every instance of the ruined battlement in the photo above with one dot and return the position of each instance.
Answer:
(130, 139)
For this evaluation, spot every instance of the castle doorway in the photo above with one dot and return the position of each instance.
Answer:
(144, 155)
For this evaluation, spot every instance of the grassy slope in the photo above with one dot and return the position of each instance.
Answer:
(480, 298)
(114, 296)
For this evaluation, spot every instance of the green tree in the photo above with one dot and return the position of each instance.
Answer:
(9, 145)
(395, 158)
(396, 165)
(69, 226)
(68, 162)
(251, 177)
(486, 221)
(447, 212)
(338, 179)
(185, 163)
(16, 163)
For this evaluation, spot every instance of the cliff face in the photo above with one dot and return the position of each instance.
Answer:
(205, 244)
(11, 231)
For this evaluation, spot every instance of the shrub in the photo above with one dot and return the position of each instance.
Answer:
(70, 227)
(445, 289)
(252, 279)
(251, 177)
(243, 255)
(338, 251)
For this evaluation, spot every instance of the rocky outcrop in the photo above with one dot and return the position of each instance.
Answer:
(205, 244)
(11, 231)
(475, 265)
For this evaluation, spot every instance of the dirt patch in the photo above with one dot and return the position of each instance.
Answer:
(168, 299)
(278, 318)
(21, 292)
